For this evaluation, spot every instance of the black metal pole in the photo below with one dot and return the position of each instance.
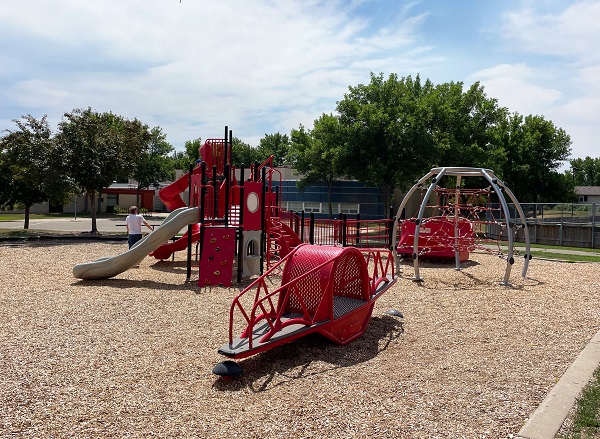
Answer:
(227, 185)
(344, 231)
(263, 222)
(225, 146)
(241, 249)
(202, 203)
(189, 231)
(390, 225)
(357, 228)
(215, 186)
(311, 230)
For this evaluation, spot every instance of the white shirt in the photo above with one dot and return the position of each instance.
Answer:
(134, 224)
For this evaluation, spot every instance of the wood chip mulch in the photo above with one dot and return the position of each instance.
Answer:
(132, 356)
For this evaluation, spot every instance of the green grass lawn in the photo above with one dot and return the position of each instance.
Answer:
(586, 422)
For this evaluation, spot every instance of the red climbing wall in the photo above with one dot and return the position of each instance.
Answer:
(218, 246)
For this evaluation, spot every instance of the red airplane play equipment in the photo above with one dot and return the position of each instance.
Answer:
(325, 289)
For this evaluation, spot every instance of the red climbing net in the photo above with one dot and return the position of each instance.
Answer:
(461, 221)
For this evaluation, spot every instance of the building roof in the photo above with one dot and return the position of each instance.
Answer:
(587, 190)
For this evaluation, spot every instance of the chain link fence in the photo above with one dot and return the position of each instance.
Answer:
(562, 224)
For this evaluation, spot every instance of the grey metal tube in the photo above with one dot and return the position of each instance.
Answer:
(525, 229)
(510, 259)
(431, 188)
(398, 216)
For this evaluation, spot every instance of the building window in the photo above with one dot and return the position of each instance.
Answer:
(352, 208)
(312, 207)
(111, 200)
(299, 206)
(294, 206)
(583, 198)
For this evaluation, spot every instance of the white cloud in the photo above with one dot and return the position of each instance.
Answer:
(192, 67)
(264, 66)
(571, 33)
(558, 73)
(517, 88)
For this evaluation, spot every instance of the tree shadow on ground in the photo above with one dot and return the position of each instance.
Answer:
(311, 355)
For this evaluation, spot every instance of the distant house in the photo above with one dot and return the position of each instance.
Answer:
(125, 196)
(588, 194)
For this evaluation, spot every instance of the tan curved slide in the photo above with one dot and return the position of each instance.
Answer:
(111, 266)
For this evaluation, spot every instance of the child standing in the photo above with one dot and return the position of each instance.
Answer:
(134, 226)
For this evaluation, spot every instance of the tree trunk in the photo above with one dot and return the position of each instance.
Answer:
(93, 207)
(27, 212)
(329, 192)
(387, 198)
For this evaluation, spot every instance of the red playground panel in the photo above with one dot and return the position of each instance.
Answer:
(324, 289)
(218, 246)
(438, 238)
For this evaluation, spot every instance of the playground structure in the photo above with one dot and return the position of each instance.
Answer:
(458, 221)
(235, 221)
(229, 219)
(322, 288)
(327, 282)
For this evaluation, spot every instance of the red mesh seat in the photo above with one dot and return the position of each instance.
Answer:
(344, 274)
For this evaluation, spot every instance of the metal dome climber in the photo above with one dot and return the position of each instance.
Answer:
(465, 219)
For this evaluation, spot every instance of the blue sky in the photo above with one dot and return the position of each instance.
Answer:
(265, 66)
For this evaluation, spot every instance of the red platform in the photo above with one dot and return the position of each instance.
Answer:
(437, 238)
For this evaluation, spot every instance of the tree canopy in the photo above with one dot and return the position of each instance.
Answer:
(534, 149)
(276, 145)
(243, 153)
(388, 141)
(30, 166)
(100, 148)
(586, 172)
(315, 154)
(154, 164)
(386, 133)
(464, 126)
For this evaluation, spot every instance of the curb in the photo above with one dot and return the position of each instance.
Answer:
(58, 237)
(546, 420)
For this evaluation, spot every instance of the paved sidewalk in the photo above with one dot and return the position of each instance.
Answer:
(104, 225)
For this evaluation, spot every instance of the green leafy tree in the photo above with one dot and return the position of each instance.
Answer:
(465, 125)
(586, 172)
(191, 153)
(389, 137)
(534, 150)
(315, 154)
(27, 156)
(154, 165)
(276, 145)
(243, 153)
(6, 184)
(99, 148)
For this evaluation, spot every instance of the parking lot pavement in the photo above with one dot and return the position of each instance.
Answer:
(104, 225)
